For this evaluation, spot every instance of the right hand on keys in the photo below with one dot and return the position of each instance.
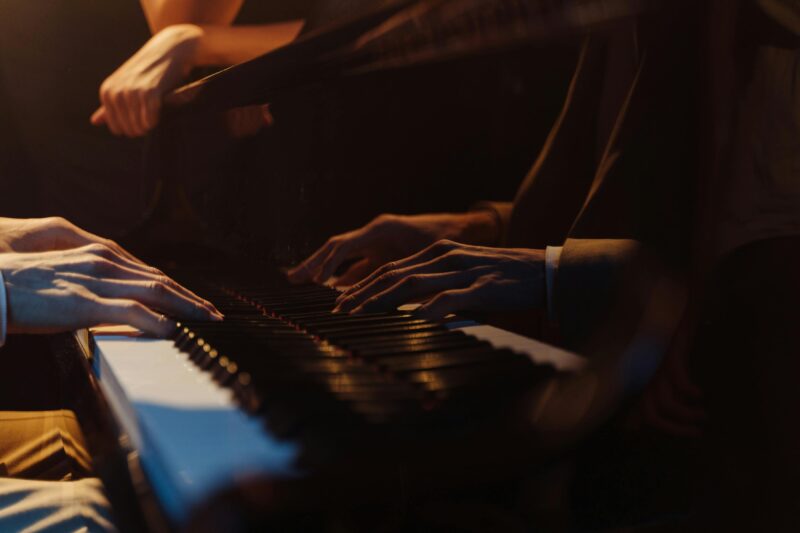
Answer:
(95, 284)
(388, 238)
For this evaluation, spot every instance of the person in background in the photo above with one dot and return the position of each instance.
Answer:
(186, 34)
(589, 201)
(56, 277)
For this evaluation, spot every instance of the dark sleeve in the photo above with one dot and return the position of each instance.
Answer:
(586, 284)
(554, 189)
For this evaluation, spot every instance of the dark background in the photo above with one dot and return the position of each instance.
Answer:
(435, 137)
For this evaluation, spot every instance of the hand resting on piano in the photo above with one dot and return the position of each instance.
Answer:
(58, 277)
(452, 277)
(396, 259)
(389, 238)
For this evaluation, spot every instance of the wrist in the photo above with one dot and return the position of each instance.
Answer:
(189, 38)
(480, 227)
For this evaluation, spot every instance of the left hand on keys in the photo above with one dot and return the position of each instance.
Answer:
(453, 277)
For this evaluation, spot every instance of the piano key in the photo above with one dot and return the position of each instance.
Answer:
(434, 360)
(363, 329)
(395, 331)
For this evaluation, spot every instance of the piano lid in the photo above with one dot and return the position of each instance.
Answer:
(401, 33)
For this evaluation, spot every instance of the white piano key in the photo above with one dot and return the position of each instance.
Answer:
(177, 416)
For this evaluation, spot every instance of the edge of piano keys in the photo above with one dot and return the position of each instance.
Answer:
(155, 438)
(178, 495)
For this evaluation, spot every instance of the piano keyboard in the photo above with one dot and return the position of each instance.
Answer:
(283, 386)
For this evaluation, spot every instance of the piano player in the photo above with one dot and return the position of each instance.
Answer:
(55, 277)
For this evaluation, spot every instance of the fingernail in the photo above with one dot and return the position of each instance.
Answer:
(337, 310)
(214, 314)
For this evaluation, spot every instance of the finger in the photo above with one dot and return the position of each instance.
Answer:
(415, 286)
(120, 113)
(106, 265)
(356, 273)
(136, 315)
(155, 295)
(98, 118)
(150, 112)
(134, 109)
(111, 114)
(453, 301)
(431, 252)
(266, 115)
(350, 245)
(361, 292)
(306, 271)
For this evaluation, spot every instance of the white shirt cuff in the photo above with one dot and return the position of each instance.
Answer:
(3, 311)
(552, 255)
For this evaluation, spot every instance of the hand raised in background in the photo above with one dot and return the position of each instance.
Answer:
(131, 97)
(388, 238)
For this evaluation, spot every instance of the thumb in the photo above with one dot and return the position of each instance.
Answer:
(99, 117)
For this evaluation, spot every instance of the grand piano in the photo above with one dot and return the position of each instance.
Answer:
(285, 413)
(313, 409)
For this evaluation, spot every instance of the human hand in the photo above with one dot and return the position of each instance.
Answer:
(247, 121)
(453, 277)
(49, 234)
(131, 97)
(94, 284)
(388, 238)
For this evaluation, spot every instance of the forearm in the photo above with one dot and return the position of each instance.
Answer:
(229, 45)
(163, 13)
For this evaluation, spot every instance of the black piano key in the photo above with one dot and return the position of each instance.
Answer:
(333, 318)
(435, 360)
(395, 331)
(284, 354)
(505, 372)
(361, 329)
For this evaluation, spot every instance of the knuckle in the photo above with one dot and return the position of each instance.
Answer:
(100, 249)
(414, 280)
(98, 265)
(385, 219)
(106, 87)
(56, 222)
(157, 287)
(452, 258)
(388, 277)
(133, 307)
